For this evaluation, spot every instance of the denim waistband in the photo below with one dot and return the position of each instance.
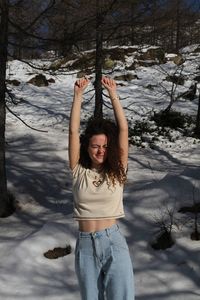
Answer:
(107, 231)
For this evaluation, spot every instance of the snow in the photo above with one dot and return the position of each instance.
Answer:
(165, 177)
(189, 49)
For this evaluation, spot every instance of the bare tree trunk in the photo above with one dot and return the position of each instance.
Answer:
(154, 25)
(132, 25)
(5, 205)
(197, 128)
(98, 112)
(178, 25)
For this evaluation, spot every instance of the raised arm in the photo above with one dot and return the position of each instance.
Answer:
(74, 123)
(110, 85)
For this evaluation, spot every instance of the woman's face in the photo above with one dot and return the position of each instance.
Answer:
(97, 149)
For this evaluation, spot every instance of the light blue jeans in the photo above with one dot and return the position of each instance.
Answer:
(103, 265)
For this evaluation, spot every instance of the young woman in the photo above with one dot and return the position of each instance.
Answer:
(98, 160)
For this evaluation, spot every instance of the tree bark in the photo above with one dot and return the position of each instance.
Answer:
(5, 205)
(98, 111)
(178, 25)
(197, 128)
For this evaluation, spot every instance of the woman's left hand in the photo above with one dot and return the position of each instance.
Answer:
(109, 84)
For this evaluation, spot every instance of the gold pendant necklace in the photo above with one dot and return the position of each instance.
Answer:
(97, 183)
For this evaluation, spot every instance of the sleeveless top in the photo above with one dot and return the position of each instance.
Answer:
(94, 197)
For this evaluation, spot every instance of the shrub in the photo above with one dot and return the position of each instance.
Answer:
(172, 119)
(139, 128)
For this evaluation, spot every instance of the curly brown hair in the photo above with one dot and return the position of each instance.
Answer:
(112, 167)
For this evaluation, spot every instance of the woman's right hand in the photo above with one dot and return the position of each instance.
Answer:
(80, 85)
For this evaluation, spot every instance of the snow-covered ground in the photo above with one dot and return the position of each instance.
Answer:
(166, 177)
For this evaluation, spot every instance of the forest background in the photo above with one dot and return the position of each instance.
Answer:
(63, 29)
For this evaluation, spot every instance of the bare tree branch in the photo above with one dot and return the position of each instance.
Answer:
(14, 114)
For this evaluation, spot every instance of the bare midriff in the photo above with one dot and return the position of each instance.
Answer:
(95, 225)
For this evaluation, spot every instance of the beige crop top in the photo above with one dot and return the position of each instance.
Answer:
(93, 197)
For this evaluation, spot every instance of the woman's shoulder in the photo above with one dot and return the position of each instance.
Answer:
(77, 170)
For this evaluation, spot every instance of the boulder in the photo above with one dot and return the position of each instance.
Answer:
(86, 72)
(39, 80)
(133, 66)
(197, 50)
(85, 61)
(109, 63)
(126, 77)
(51, 80)
(152, 54)
(197, 78)
(146, 63)
(118, 53)
(14, 82)
(178, 59)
